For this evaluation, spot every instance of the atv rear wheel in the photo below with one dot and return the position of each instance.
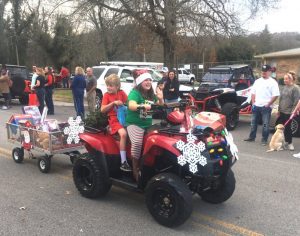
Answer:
(223, 193)
(231, 111)
(91, 177)
(168, 199)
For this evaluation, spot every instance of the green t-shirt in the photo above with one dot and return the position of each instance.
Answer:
(133, 117)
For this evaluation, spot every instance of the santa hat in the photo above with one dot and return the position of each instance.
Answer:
(141, 78)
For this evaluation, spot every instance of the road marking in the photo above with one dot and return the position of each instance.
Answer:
(227, 225)
(210, 229)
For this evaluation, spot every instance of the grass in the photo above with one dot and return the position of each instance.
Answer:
(63, 95)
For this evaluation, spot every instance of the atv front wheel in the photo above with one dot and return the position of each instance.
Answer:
(169, 200)
(223, 193)
(231, 111)
(91, 177)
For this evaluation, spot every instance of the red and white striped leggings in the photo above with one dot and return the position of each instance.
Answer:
(136, 135)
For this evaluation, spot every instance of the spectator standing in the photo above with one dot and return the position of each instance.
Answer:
(49, 86)
(65, 76)
(171, 88)
(78, 86)
(4, 87)
(39, 87)
(91, 84)
(287, 102)
(264, 93)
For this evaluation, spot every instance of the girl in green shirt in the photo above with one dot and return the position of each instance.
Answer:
(142, 96)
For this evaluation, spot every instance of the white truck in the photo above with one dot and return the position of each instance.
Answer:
(184, 76)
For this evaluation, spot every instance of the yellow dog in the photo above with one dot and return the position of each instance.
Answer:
(277, 140)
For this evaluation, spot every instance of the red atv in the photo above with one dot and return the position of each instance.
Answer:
(182, 155)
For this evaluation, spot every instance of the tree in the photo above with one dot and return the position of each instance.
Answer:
(3, 38)
(236, 49)
(63, 49)
(170, 18)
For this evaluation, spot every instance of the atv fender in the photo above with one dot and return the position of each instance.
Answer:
(166, 143)
(100, 142)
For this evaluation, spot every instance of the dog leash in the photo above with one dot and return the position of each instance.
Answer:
(288, 121)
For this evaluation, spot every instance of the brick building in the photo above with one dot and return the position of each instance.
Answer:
(284, 61)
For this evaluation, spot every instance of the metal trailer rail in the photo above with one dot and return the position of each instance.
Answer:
(49, 143)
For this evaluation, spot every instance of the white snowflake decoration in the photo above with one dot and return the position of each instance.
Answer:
(73, 130)
(233, 148)
(191, 153)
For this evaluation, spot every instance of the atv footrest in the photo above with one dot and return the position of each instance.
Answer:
(126, 182)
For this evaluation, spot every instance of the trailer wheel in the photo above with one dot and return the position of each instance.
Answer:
(18, 154)
(44, 164)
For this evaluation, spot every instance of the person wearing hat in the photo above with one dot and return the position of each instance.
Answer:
(140, 97)
(264, 93)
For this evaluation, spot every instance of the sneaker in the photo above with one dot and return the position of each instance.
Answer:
(249, 139)
(4, 107)
(290, 147)
(297, 155)
(264, 143)
(125, 167)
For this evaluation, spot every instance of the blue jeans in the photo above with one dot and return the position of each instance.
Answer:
(49, 99)
(79, 103)
(265, 114)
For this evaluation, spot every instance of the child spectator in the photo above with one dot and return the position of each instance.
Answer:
(142, 96)
(113, 98)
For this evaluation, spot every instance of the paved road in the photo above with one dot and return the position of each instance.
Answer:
(266, 200)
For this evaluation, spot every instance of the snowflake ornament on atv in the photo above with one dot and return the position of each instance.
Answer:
(73, 130)
(191, 153)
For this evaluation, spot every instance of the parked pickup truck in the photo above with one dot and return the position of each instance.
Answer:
(184, 76)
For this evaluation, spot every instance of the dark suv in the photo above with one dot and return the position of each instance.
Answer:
(238, 77)
(21, 81)
(224, 89)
